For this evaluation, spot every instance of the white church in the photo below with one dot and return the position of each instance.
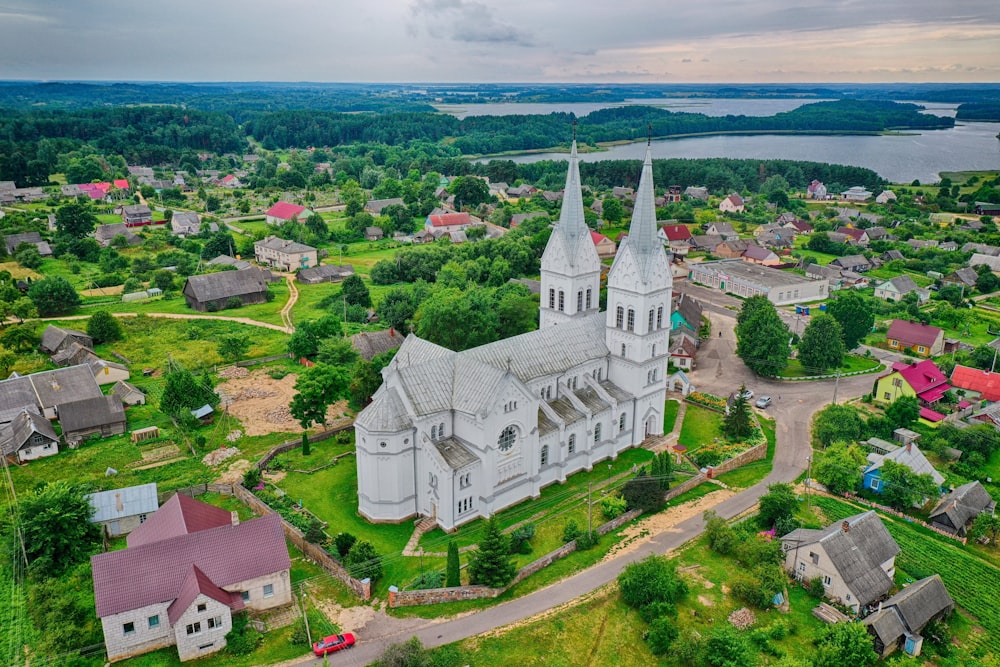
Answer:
(454, 436)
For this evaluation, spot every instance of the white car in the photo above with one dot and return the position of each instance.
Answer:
(747, 394)
(763, 402)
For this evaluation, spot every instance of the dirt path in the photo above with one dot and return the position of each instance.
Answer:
(286, 311)
(180, 316)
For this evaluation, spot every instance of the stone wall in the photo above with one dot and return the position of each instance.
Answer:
(289, 445)
(195, 491)
(685, 486)
(753, 454)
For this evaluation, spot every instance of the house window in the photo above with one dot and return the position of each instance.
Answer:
(128, 629)
(194, 628)
(897, 382)
(572, 443)
(814, 557)
(545, 455)
(464, 481)
(621, 422)
(507, 439)
(876, 484)
(215, 622)
(887, 396)
(659, 317)
(552, 298)
(588, 298)
(650, 327)
(921, 349)
(153, 621)
(597, 432)
(619, 317)
(827, 580)
(434, 432)
(562, 300)
(579, 301)
(142, 518)
(245, 595)
(202, 607)
(441, 430)
(802, 566)
(268, 590)
(631, 320)
(893, 343)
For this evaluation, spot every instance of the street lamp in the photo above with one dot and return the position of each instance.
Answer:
(808, 478)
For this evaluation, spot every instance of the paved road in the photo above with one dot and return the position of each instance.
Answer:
(719, 372)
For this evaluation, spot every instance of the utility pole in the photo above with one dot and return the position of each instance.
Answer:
(809, 464)
(590, 509)
(836, 386)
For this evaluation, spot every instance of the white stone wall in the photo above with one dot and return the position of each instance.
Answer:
(281, 581)
(386, 481)
(204, 639)
(143, 638)
(32, 452)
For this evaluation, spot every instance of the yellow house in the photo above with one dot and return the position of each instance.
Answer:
(890, 387)
(922, 379)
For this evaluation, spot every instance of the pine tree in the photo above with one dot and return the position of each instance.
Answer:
(491, 564)
(737, 422)
(454, 570)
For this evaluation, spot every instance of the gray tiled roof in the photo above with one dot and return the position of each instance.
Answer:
(545, 425)
(454, 453)
(565, 411)
(24, 424)
(63, 385)
(225, 284)
(385, 414)
(963, 504)
(90, 412)
(592, 400)
(118, 503)
(16, 394)
(371, 343)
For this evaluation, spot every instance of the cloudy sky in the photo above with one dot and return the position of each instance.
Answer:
(655, 41)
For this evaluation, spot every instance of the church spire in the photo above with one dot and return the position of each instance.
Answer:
(572, 223)
(642, 232)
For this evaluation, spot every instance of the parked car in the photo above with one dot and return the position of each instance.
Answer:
(333, 643)
(747, 394)
(763, 402)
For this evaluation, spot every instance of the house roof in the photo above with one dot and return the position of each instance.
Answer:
(121, 183)
(850, 261)
(920, 375)
(371, 343)
(447, 219)
(109, 232)
(690, 309)
(735, 199)
(376, 205)
(900, 284)
(285, 211)
(758, 253)
(227, 555)
(913, 333)
(197, 583)
(118, 503)
(284, 245)
(53, 337)
(967, 275)
(853, 232)
(910, 610)
(15, 434)
(225, 284)
(63, 385)
(984, 382)
(597, 237)
(676, 232)
(14, 240)
(324, 271)
(963, 504)
(124, 389)
(185, 222)
(909, 456)
(229, 261)
(137, 209)
(857, 547)
(90, 412)
(455, 453)
(180, 515)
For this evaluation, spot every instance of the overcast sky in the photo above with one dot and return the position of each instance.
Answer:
(654, 41)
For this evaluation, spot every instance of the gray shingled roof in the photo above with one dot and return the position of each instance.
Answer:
(63, 385)
(385, 414)
(225, 284)
(283, 245)
(118, 503)
(13, 240)
(857, 553)
(564, 409)
(371, 343)
(55, 337)
(963, 504)
(24, 424)
(90, 412)
(911, 609)
(911, 457)
(16, 394)
(454, 453)
(226, 260)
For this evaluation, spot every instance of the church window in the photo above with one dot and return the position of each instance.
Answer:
(620, 317)
(650, 327)
(434, 432)
(623, 349)
(579, 301)
(562, 300)
(552, 298)
(545, 455)
(572, 443)
(631, 320)
(659, 317)
(383, 444)
(597, 432)
(588, 298)
(441, 430)
(654, 349)
(621, 422)
(464, 481)
(649, 377)
(507, 439)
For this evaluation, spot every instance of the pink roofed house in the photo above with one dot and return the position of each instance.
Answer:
(447, 222)
(122, 184)
(923, 339)
(922, 379)
(284, 211)
(732, 204)
(605, 246)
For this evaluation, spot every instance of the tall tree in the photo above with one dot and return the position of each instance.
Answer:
(356, 292)
(104, 327)
(855, 315)
(318, 388)
(397, 308)
(839, 467)
(837, 423)
(469, 191)
(457, 320)
(453, 572)
(902, 488)
(761, 337)
(75, 220)
(777, 505)
(738, 422)
(822, 344)
(54, 296)
(491, 564)
(903, 412)
(55, 524)
(363, 561)
(182, 391)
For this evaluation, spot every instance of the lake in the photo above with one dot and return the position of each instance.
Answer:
(898, 158)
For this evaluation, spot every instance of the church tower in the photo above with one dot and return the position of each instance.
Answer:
(638, 315)
(571, 269)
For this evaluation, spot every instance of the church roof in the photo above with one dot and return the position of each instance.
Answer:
(592, 400)
(454, 453)
(564, 409)
(642, 233)
(545, 425)
(386, 413)
(570, 248)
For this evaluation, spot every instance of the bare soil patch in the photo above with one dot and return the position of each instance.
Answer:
(261, 403)
(235, 472)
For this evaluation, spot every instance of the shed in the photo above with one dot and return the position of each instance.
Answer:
(128, 393)
(120, 511)
(101, 415)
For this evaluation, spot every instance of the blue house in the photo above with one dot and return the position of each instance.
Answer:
(686, 312)
(908, 455)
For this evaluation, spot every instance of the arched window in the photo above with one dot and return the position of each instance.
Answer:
(619, 317)
(650, 327)
(434, 432)
(552, 298)
(654, 349)
(441, 430)
(572, 443)
(507, 439)
(631, 320)
(588, 298)
(562, 300)
(623, 349)
(659, 317)
(579, 301)
(621, 422)
(545, 455)
(597, 432)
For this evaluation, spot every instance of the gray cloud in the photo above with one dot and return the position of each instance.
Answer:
(465, 21)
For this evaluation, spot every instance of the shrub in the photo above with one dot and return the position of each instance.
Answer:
(654, 610)
(816, 588)
(363, 561)
(722, 538)
(314, 533)
(587, 540)
(343, 543)
(571, 531)
(234, 302)
(242, 639)
(428, 580)
(299, 637)
(613, 505)
(653, 579)
(662, 635)
(520, 539)
(643, 493)
(251, 478)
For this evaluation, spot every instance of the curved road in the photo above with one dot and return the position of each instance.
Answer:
(719, 372)
(180, 316)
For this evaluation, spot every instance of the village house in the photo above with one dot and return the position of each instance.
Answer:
(965, 277)
(605, 246)
(226, 260)
(984, 384)
(137, 215)
(896, 288)
(686, 313)
(375, 206)
(520, 191)
(856, 193)
(128, 393)
(899, 620)
(213, 291)
(448, 222)
(921, 379)
(324, 273)
(198, 564)
(683, 348)
(284, 254)
(908, 455)
(188, 223)
(369, 344)
(100, 415)
(54, 339)
(723, 229)
(732, 204)
(885, 197)
(674, 233)
(762, 256)
(28, 436)
(34, 238)
(960, 507)
(374, 233)
(923, 339)
(696, 192)
(518, 218)
(855, 559)
(106, 372)
(856, 263)
(120, 511)
(623, 193)
(731, 249)
(816, 190)
(831, 274)
(855, 236)
(105, 234)
(44, 390)
(284, 212)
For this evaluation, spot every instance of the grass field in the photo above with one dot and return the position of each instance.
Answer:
(700, 425)
(852, 363)
(670, 409)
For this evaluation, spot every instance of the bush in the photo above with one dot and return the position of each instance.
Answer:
(314, 533)
(643, 493)
(251, 478)
(571, 531)
(662, 635)
(242, 639)
(299, 636)
(722, 538)
(816, 588)
(343, 543)
(656, 610)
(234, 302)
(363, 561)
(428, 580)
(588, 540)
(520, 539)
(651, 580)
(613, 506)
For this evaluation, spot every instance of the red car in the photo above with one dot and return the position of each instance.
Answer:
(333, 643)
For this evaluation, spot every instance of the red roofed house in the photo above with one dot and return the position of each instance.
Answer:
(984, 383)
(855, 236)
(605, 246)
(670, 233)
(731, 204)
(448, 222)
(184, 573)
(922, 379)
(122, 184)
(923, 339)
(283, 212)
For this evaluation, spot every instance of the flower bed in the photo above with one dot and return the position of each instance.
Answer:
(713, 453)
(707, 400)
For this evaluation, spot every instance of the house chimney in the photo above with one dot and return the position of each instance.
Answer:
(392, 332)
(846, 526)
(118, 502)
(909, 447)
(235, 518)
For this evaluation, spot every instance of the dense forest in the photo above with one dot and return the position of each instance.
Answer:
(979, 111)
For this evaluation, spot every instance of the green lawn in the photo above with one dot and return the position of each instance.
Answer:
(670, 409)
(852, 363)
(700, 425)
